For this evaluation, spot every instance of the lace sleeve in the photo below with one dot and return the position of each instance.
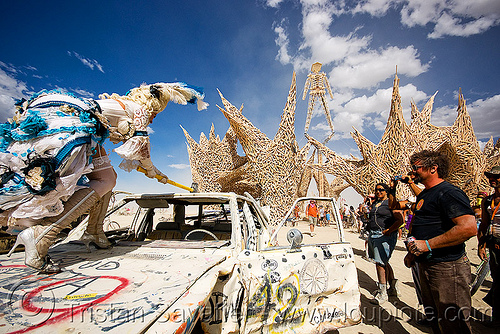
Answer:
(136, 148)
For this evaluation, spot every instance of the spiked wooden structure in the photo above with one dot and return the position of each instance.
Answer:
(277, 171)
(400, 140)
(273, 167)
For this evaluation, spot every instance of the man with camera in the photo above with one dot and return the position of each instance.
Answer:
(443, 220)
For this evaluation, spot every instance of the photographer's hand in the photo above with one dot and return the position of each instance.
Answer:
(409, 260)
(418, 247)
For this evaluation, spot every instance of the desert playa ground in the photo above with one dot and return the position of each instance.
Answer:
(399, 315)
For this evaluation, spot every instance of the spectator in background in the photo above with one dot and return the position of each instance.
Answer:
(328, 216)
(296, 215)
(322, 217)
(312, 214)
(489, 237)
(381, 243)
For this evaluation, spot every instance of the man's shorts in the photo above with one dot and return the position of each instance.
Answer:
(313, 220)
(380, 247)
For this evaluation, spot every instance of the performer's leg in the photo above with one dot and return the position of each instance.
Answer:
(37, 239)
(95, 223)
(312, 100)
(102, 180)
(103, 176)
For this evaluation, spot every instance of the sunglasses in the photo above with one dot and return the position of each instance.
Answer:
(416, 167)
(379, 189)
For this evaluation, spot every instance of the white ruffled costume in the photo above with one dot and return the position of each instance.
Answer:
(46, 151)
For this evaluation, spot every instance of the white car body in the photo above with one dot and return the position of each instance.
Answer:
(242, 283)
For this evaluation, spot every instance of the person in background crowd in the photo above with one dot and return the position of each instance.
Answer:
(488, 236)
(322, 216)
(328, 216)
(381, 243)
(312, 215)
(361, 216)
(296, 215)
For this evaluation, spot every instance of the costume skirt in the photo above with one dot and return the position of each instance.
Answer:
(45, 152)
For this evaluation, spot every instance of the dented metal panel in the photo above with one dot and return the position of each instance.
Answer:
(306, 291)
(181, 317)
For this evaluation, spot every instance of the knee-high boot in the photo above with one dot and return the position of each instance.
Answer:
(38, 239)
(95, 231)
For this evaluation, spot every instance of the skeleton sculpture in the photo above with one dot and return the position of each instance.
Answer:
(53, 167)
(315, 84)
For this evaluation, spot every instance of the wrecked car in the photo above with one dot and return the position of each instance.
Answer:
(189, 263)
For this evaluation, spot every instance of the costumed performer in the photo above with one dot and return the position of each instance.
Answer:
(53, 167)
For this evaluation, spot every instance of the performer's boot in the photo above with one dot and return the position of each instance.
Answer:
(95, 232)
(37, 239)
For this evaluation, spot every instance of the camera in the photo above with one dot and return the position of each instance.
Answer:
(401, 178)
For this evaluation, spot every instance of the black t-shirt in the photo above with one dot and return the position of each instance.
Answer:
(381, 217)
(433, 215)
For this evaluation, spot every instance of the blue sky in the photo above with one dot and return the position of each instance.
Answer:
(248, 50)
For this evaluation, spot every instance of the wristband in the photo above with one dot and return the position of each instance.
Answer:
(428, 246)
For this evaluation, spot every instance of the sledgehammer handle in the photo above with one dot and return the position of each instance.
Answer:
(159, 177)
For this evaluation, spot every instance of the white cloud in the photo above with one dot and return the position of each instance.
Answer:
(11, 90)
(445, 17)
(90, 63)
(324, 47)
(31, 68)
(368, 69)
(282, 43)
(179, 166)
(453, 26)
(83, 93)
(452, 17)
(485, 115)
(374, 7)
(273, 3)
(363, 111)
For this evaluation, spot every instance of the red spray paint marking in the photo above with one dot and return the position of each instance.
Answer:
(67, 311)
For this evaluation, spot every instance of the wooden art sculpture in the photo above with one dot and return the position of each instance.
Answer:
(275, 164)
(277, 171)
(216, 165)
(316, 84)
(324, 188)
(391, 156)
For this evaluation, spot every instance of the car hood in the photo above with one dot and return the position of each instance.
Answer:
(124, 289)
